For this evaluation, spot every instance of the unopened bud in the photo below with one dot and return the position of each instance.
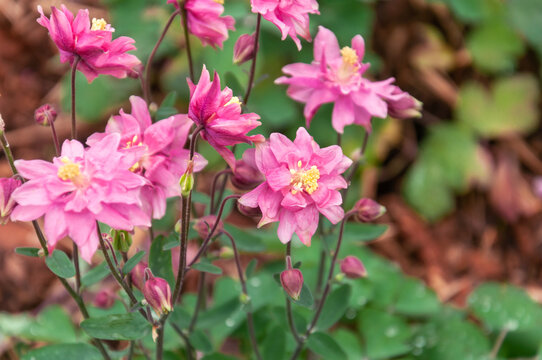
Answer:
(243, 50)
(291, 280)
(122, 240)
(353, 268)
(104, 299)
(249, 211)
(402, 105)
(226, 252)
(158, 294)
(204, 225)
(45, 115)
(187, 180)
(244, 298)
(247, 175)
(138, 275)
(369, 210)
(7, 203)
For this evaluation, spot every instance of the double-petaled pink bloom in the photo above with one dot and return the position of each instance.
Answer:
(336, 75)
(205, 20)
(290, 16)
(163, 158)
(80, 187)
(302, 180)
(76, 37)
(218, 113)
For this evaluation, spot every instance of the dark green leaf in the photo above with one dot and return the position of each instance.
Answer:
(79, 351)
(323, 345)
(129, 326)
(27, 251)
(167, 107)
(251, 267)
(334, 307)
(200, 341)
(132, 262)
(218, 314)
(60, 264)
(416, 299)
(274, 345)
(362, 232)
(200, 197)
(385, 335)
(207, 267)
(349, 342)
(94, 275)
(160, 260)
(305, 297)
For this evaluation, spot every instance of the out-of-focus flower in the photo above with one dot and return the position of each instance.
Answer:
(104, 299)
(138, 275)
(353, 268)
(249, 211)
(290, 16)
(45, 115)
(219, 113)
(246, 175)
(301, 180)
(93, 43)
(244, 49)
(2, 124)
(205, 22)
(7, 203)
(158, 294)
(204, 225)
(336, 76)
(80, 187)
(537, 186)
(368, 210)
(162, 159)
(291, 280)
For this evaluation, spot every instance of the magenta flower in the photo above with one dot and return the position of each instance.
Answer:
(219, 114)
(301, 181)
(163, 157)
(336, 76)
(80, 187)
(75, 38)
(205, 22)
(290, 16)
(7, 203)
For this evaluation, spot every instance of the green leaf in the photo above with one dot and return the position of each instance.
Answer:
(207, 267)
(129, 326)
(218, 314)
(349, 342)
(217, 356)
(79, 351)
(416, 299)
(526, 17)
(60, 264)
(505, 307)
(251, 267)
(160, 260)
(244, 240)
(334, 307)
(95, 275)
(27, 251)
(167, 107)
(305, 297)
(199, 197)
(200, 341)
(274, 345)
(511, 106)
(385, 335)
(362, 232)
(132, 262)
(324, 345)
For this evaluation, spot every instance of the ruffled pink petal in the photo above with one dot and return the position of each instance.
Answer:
(287, 226)
(343, 113)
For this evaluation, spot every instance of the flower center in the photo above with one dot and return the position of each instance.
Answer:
(350, 56)
(100, 24)
(70, 171)
(135, 141)
(233, 100)
(221, 2)
(304, 179)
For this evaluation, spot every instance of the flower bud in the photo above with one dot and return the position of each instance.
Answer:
(353, 268)
(7, 204)
(104, 299)
(243, 50)
(402, 105)
(249, 211)
(291, 280)
(247, 175)
(369, 210)
(158, 294)
(45, 115)
(205, 224)
(187, 180)
(138, 275)
(122, 240)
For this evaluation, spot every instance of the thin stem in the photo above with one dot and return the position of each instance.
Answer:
(187, 40)
(8, 153)
(498, 343)
(289, 302)
(199, 301)
(131, 350)
(193, 140)
(224, 172)
(250, 320)
(339, 138)
(321, 266)
(75, 254)
(253, 65)
(74, 71)
(160, 341)
(146, 89)
(55, 138)
(189, 349)
(183, 239)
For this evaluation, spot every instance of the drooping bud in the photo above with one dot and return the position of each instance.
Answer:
(138, 275)
(45, 115)
(249, 211)
(369, 210)
(104, 299)
(246, 175)
(187, 180)
(402, 105)
(122, 240)
(353, 268)
(204, 225)
(7, 204)
(291, 280)
(157, 293)
(243, 50)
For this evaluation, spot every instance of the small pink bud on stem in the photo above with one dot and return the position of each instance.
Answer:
(353, 268)
(138, 275)
(243, 50)
(187, 180)
(157, 293)
(368, 210)
(291, 280)
(204, 224)
(45, 115)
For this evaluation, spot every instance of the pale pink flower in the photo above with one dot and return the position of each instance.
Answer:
(205, 21)
(163, 157)
(219, 113)
(336, 76)
(77, 37)
(290, 16)
(302, 180)
(80, 187)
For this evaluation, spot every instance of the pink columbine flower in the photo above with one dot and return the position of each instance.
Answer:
(205, 22)
(336, 76)
(7, 203)
(80, 187)
(219, 113)
(163, 157)
(76, 37)
(301, 181)
(290, 16)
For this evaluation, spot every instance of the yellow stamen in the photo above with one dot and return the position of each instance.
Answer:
(233, 100)
(99, 24)
(349, 55)
(304, 180)
(68, 171)
(221, 2)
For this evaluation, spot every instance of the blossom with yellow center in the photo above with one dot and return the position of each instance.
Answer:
(304, 179)
(100, 24)
(69, 171)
